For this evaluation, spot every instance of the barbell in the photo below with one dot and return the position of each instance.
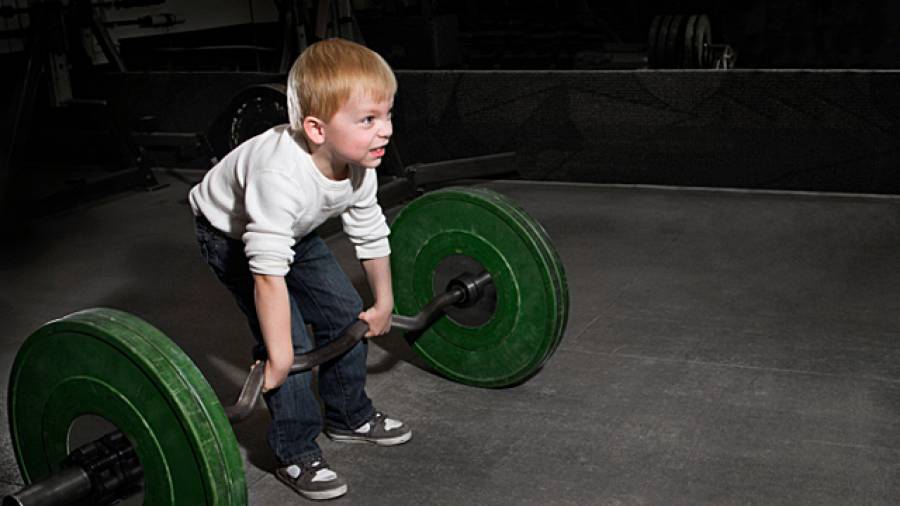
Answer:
(490, 302)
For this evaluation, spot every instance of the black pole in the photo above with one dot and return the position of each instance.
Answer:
(68, 486)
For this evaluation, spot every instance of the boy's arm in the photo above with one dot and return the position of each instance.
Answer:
(378, 273)
(273, 311)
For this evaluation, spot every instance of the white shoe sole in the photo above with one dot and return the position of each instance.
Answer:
(393, 441)
(324, 494)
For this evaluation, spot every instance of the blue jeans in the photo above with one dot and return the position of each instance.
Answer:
(321, 295)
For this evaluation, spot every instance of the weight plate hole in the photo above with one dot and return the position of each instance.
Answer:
(477, 314)
(87, 429)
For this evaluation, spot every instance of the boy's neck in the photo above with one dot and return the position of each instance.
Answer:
(325, 165)
(331, 172)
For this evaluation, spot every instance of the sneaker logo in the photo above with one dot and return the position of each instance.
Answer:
(325, 475)
(390, 424)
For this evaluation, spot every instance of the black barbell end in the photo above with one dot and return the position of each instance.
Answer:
(67, 486)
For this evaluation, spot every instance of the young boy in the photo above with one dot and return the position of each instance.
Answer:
(256, 212)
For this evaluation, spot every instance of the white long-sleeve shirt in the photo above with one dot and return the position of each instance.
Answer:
(269, 193)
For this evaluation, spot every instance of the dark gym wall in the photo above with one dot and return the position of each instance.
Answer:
(765, 33)
(810, 130)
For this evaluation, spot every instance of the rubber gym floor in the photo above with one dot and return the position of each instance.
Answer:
(723, 347)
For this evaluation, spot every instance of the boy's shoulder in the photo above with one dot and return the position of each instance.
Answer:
(275, 147)
(269, 138)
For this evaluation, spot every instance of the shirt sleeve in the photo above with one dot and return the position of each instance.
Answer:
(271, 200)
(364, 222)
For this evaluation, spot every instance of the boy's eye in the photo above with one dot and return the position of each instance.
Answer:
(368, 119)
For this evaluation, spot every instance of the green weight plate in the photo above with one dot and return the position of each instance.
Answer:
(537, 233)
(514, 343)
(548, 250)
(556, 264)
(114, 365)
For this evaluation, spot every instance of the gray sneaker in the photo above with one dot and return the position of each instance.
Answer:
(314, 481)
(380, 430)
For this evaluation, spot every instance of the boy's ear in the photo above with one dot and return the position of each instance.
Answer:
(314, 128)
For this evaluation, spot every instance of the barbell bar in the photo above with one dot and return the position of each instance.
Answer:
(463, 289)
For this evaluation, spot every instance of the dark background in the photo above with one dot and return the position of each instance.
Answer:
(813, 102)
(486, 34)
(552, 34)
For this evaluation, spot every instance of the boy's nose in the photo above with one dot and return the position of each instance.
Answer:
(387, 129)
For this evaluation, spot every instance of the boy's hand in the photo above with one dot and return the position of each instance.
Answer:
(273, 376)
(378, 319)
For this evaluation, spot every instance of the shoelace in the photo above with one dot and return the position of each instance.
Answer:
(379, 418)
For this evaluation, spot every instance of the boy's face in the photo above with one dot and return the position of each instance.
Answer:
(359, 131)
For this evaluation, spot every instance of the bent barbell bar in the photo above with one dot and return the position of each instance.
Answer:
(460, 291)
